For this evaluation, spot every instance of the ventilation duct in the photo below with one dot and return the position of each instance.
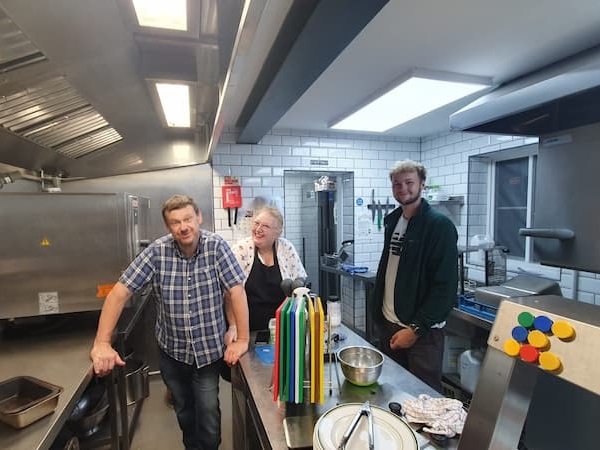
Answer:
(561, 96)
(53, 114)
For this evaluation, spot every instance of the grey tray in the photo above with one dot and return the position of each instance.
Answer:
(23, 400)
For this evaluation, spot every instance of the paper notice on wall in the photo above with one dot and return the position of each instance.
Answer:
(364, 227)
(48, 302)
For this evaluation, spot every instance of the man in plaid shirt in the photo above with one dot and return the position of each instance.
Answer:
(191, 270)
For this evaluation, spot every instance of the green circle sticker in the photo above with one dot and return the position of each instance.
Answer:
(526, 319)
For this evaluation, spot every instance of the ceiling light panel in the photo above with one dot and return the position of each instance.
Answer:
(16, 50)
(415, 96)
(175, 103)
(167, 14)
(53, 114)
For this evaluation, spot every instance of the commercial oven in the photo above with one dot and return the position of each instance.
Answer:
(62, 252)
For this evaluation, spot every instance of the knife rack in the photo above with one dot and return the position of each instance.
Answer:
(384, 208)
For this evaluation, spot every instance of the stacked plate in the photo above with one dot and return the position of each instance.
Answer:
(391, 432)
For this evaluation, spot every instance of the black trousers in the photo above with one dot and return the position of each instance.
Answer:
(424, 359)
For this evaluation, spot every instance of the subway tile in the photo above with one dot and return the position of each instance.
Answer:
(270, 139)
(241, 149)
(290, 140)
(251, 160)
(260, 149)
(309, 141)
(261, 171)
(301, 151)
(270, 161)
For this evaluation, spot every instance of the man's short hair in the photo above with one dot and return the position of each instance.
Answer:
(178, 202)
(408, 165)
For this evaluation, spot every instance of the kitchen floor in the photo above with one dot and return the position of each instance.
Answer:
(157, 426)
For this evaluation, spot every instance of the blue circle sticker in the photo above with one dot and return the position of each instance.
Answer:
(359, 201)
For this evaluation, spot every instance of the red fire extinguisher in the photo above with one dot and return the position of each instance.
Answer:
(232, 197)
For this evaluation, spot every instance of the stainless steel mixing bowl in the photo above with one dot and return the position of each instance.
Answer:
(361, 365)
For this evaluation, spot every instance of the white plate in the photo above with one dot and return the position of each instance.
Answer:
(391, 432)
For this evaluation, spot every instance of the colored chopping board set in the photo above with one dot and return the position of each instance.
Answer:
(299, 350)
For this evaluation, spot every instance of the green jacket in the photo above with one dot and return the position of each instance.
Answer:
(427, 280)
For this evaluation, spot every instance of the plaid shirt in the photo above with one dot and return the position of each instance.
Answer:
(190, 322)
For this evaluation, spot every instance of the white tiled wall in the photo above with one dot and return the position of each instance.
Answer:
(260, 170)
(447, 159)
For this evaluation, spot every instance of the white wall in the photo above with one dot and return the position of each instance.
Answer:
(447, 159)
(260, 169)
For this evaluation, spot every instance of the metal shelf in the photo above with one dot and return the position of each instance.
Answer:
(454, 200)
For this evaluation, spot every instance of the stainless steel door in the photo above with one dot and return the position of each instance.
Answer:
(60, 252)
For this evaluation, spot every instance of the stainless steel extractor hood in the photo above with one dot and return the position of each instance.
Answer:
(77, 85)
(562, 96)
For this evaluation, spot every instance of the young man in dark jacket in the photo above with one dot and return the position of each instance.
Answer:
(417, 278)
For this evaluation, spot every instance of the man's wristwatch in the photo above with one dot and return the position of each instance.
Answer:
(416, 329)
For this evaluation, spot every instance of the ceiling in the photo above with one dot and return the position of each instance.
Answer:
(500, 40)
(297, 64)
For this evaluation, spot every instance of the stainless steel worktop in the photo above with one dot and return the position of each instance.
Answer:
(394, 385)
(57, 350)
(58, 358)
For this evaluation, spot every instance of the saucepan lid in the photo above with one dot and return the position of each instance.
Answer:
(391, 432)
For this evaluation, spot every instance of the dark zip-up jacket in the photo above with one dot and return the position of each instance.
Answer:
(427, 279)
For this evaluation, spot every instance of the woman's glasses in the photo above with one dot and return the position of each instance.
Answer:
(258, 225)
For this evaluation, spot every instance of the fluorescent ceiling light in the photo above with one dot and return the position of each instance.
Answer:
(416, 96)
(175, 102)
(169, 14)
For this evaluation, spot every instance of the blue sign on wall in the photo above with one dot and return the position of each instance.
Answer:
(359, 201)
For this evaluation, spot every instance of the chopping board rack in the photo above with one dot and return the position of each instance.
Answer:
(301, 347)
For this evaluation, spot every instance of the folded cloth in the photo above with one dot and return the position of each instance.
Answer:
(354, 269)
(444, 416)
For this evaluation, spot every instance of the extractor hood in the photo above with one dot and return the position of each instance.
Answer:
(561, 96)
(77, 84)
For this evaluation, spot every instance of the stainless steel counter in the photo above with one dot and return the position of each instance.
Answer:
(57, 351)
(394, 385)
(61, 359)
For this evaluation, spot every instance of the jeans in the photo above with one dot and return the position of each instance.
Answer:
(195, 400)
(424, 359)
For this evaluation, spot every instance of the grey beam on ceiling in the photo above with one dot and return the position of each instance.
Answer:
(311, 37)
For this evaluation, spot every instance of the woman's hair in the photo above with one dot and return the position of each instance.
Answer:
(178, 202)
(407, 165)
(273, 212)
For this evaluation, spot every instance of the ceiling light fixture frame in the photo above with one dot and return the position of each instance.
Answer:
(152, 89)
(436, 75)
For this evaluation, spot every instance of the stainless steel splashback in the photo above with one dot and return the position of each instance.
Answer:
(62, 252)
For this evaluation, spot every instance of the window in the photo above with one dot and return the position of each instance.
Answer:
(500, 198)
(512, 205)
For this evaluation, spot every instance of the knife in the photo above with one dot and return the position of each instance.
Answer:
(373, 205)
(379, 215)
(387, 206)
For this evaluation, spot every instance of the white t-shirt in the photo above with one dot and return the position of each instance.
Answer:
(396, 248)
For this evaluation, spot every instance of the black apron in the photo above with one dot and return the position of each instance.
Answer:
(263, 290)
